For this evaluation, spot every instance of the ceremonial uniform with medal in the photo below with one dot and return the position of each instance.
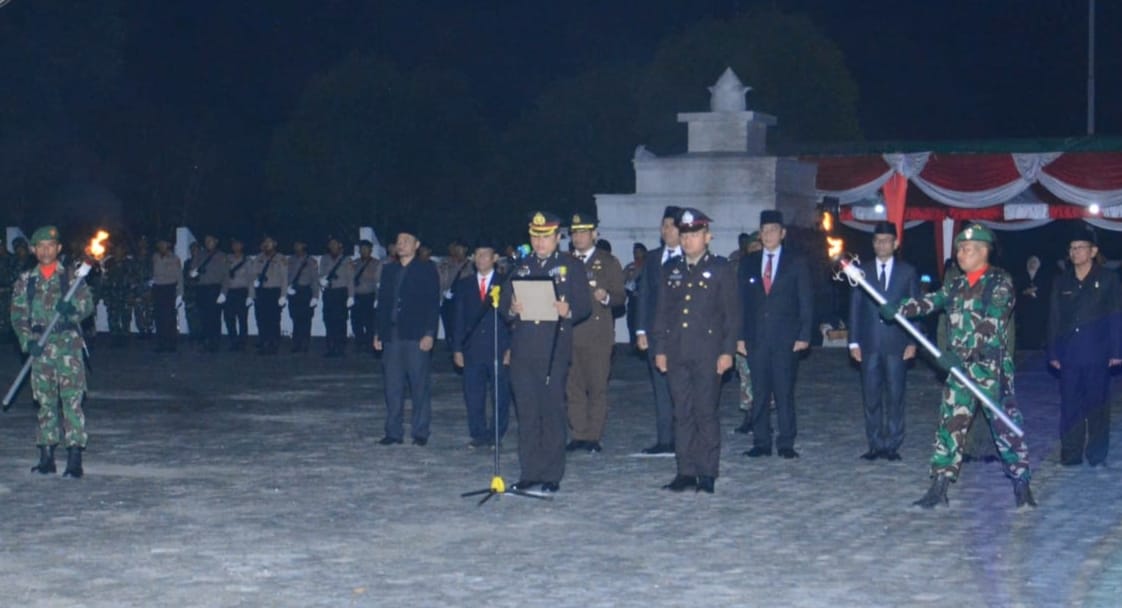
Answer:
(593, 338)
(541, 350)
(694, 340)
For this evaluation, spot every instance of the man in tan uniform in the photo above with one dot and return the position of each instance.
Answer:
(593, 338)
(167, 295)
(269, 293)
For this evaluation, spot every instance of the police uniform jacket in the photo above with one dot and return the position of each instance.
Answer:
(603, 272)
(698, 314)
(534, 338)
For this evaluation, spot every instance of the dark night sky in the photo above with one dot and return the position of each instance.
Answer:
(926, 70)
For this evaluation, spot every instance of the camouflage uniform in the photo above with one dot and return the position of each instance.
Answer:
(59, 373)
(144, 309)
(119, 287)
(977, 318)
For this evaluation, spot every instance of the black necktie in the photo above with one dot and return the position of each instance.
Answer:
(883, 283)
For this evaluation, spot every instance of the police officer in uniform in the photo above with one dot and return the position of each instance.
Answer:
(269, 295)
(694, 340)
(209, 269)
(337, 281)
(303, 295)
(593, 338)
(367, 274)
(235, 297)
(167, 295)
(540, 354)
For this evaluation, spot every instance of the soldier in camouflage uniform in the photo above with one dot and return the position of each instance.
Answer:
(8, 275)
(57, 369)
(979, 304)
(144, 308)
(118, 286)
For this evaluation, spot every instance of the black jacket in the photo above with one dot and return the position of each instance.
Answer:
(1084, 326)
(409, 298)
(866, 328)
(786, 314)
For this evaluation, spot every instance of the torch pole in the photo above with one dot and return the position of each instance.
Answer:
(856, 276)
(83, 270)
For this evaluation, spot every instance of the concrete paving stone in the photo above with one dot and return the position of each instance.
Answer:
(238, 480)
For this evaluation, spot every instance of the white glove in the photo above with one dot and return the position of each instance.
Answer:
(248, 302)
(313, 303)
(194, 274)
(149, 283)
(178, 301)
(291, 291)
(221, 298)
(350, 302)
(447, 294)
(257, 284)
(324, 282)
(282, 302)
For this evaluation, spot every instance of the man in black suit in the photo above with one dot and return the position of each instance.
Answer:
(778, 306)
(646, 300)
(883, 349)
(475, 330)
(405, 323)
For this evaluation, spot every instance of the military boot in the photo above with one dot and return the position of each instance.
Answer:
(46, 460)
(1022, 494)
(73, 462)
(936, 494)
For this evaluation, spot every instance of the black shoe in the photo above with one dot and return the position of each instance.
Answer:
(936, 494)
(480, 443)
(891, 455)
(1072, 462)
(680, 483)
(420, 441)
(968, 457)
(73, 462)
(871, 455)
(389, 441)
(46, 461)
(745, 427)
(549, 487)
(575, 445)
(757, 451)
(788, 453)
(593, 447)
(659, 448)
(706, 484)
(523, 485)
(1022, 495)
(989, 459)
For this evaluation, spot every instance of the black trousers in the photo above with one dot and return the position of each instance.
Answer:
(773, 375)
(335, 318)
(1084, 412)
(267, 312)
(663, 405)
(541, 416)
(163, 309)
(236, 315)
(405, 364)
(362, 321)
(882, 384)
(210, 313)
(300, 311)
(695, 388)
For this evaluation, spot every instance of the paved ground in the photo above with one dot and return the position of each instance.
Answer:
(248, 481)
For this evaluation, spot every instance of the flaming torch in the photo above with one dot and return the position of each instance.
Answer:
(848, 270)
(96, 251)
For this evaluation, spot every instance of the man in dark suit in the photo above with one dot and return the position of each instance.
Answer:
(1034, 287)
(646, 301)
(405, 325)
(883, 349)
(694, 340)
(778, 308)
(540, 351)
(474, 346)
(1085, 342)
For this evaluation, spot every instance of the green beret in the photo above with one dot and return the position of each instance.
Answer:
(44, 233)
(975, 232)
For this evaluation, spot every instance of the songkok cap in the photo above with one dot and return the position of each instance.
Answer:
(44, 233)
(1085, 233)
(975, 232)
(411, 229)
(690, 220)
(671, 212)
(885, 228)
(771, 216)
(485, 243)
(544, 223)
(583, 221)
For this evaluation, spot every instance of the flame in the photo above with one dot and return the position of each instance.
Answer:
(827, 221)
(96, 250)
(835, 246)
